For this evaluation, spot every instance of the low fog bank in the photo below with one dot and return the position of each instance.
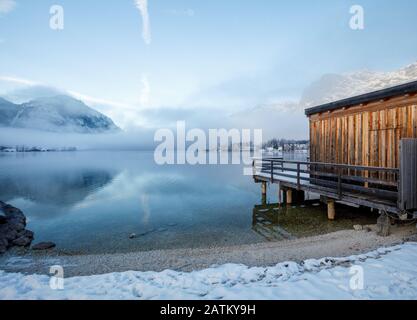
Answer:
(286, 124)
(139, 139)
(276, 121)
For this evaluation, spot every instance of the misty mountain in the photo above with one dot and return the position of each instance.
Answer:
(8, 111)
(287, 119)
(333, 87)
(30, 93)
(59, 113)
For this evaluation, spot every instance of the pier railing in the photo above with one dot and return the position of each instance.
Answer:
(378, 182)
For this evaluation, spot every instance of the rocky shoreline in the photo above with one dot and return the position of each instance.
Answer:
(13, 232)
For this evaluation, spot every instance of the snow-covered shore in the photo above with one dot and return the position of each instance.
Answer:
(387, 273)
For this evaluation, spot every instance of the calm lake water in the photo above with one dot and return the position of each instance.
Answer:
(90, 202)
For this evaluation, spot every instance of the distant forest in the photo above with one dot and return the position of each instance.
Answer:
(277, 143)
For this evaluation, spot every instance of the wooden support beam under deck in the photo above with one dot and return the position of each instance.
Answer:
(331, 211)
(264, 188)
(289, 196)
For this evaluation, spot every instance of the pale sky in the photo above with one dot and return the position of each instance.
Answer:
(133, 55)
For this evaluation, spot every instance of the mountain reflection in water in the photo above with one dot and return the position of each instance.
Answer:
(91, 202)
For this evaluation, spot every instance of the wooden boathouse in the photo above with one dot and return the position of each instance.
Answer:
(363, 152)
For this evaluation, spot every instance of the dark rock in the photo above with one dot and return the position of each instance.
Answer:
(3, 230)
(12, 228)
(17, 219)
(44, 246)
(4, 243)
(22, 242)
(28, 234)
(10, 234)
(132, 236)
(11, 211)
(16, 226)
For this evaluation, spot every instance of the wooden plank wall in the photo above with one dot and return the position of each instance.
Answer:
(365, 135)
(408, 184)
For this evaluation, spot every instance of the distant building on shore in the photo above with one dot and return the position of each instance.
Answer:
(35, 149)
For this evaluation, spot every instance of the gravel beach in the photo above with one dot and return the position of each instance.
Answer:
(337, 244)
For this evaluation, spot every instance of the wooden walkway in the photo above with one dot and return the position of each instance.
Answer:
(372, 187)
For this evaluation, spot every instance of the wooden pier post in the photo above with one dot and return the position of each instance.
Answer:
(279, 194)
(331, 211)
(284, 195)
(264, 200)
(264, 188)
(264, 192)
(289, 196)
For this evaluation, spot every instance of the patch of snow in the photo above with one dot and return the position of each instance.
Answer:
(389, 273)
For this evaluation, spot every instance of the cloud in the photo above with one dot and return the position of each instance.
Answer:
(98, 101)
(142, 5)
(123, 140)
(28, 93)
(16, 80)
(20, 90)
(146, 91)
(33, 89)
(7, 5)
(182, 12)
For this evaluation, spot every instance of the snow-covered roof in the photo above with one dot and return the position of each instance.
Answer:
(406, 88)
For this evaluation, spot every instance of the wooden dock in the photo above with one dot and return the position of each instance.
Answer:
(353, 185)
(363, 152)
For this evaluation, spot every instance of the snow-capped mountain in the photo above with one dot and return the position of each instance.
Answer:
(333, 87)
(30, 93)
(8, 111)
(56, 114)
(329, 88)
